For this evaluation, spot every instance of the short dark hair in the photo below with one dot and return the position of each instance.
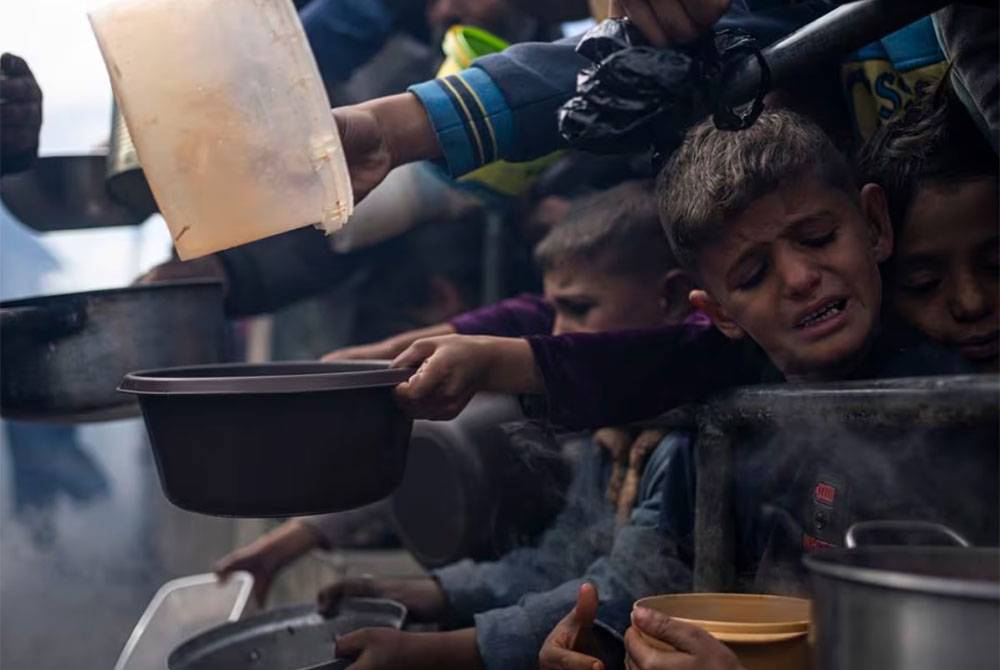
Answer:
(617, 229)
(933, 141)
(716, 174)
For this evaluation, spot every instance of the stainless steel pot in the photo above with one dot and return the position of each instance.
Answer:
(906, 607)
(64, 355)
(126, 182)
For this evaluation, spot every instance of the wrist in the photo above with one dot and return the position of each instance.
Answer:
(302, 536)
(456, 649)
(409, 135)
(511, 367)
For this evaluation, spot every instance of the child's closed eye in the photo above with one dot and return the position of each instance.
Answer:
(820, 240)
(573, 308)
(921, 282)
(752, 277)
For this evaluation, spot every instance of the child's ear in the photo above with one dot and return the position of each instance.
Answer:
(701, 300)
(875, 206)
(674, 288)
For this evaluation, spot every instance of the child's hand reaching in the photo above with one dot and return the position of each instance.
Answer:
(694, 647)
(453, 368)
(567, 645)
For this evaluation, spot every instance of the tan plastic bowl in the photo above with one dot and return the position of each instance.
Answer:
(765, 632)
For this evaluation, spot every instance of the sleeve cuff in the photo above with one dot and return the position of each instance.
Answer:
(455, 580)
(471, 119)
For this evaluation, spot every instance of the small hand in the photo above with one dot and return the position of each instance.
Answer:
(366, 148)
(376, 649)
(265, 557)
(566, 646)
(450, 370)
(390, 347)
(20, 114)
(422, 596)
(666, 22)
(694, 647)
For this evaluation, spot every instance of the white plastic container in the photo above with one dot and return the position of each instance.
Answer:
(229, 117)
(181, 609)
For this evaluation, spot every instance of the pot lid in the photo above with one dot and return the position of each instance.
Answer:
(243, 378)
(952, 571)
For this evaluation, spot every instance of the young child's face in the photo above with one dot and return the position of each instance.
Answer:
(944, 279)
(798, 272)
(588, 299)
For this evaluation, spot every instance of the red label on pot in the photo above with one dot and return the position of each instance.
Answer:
(825, 493)
(809, 543)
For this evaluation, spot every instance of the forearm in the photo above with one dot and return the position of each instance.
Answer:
(520, 316)
(455, 650)
(513, 368)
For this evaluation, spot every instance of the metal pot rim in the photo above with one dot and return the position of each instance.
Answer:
(35, 301)
(290, 377)
(827, 564)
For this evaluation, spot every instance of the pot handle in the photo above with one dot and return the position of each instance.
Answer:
(851, 536)
(43, 324)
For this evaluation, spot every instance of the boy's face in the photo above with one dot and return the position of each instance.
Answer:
(589, 299)
(798, 272)
(944, 279)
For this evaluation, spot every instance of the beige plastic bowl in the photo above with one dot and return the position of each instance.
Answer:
(765, 632)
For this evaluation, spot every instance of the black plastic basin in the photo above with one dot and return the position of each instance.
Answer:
(275, 439)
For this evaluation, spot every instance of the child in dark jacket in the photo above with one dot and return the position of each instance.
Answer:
(788, 242)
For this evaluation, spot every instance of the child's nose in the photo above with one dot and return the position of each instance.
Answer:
(968, 300)
(801, 277)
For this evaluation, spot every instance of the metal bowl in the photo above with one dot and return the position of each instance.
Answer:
(288, 638)
(275, 439)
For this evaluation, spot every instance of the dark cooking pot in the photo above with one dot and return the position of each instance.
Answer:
(276, 439)
(64, 355)
(906, 607)
(288, 638)
(66, 192)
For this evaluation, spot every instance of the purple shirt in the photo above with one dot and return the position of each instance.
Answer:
(520, 316)
(607, 379)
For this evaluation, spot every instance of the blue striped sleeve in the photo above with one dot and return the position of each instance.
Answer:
(471, 119)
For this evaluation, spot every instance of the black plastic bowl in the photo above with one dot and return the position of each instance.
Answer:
(275, 439)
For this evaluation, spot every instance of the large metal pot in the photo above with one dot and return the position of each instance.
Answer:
(64, 355)
(906, 607)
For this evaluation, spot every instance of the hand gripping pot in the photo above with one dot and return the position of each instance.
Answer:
(229, 118)
(276, 439)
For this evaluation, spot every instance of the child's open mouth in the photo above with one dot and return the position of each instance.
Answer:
(824, 318)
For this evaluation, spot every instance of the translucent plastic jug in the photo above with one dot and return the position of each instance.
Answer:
(229, 117)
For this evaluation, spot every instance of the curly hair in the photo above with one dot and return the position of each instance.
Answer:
(715, 175)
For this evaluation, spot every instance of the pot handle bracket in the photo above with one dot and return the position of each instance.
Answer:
(43, 323)
(851, 537)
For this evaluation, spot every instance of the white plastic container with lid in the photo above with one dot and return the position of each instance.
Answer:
(181, 609)
(229, 116)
